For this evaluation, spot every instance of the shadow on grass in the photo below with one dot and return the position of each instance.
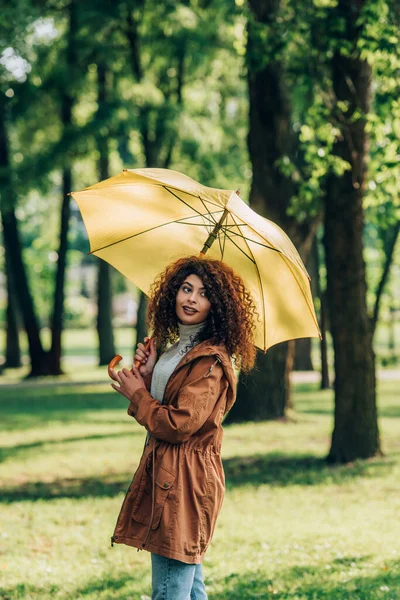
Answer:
(310, 400)
(119, 588)
(26, 590)
(7, 452)
(285, 470)
(36, 407)
(107, 486)
(312, 583)
(272, 469)
(297, 583)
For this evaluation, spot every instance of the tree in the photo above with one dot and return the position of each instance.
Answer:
(272, 142)
(12, 243)
(13, 24)
(355, 433)
(104, 289)
(67, 102)
(13, 349)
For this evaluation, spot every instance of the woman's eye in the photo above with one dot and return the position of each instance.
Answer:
(186, 288)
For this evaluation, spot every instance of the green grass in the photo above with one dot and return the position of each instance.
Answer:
(291, 527)
(80, 355)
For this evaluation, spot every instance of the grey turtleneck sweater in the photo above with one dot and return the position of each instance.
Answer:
(168, 361)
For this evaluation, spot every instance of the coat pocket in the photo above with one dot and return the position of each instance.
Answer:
(164, 482)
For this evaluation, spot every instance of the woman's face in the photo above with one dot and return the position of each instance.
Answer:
(192, 305)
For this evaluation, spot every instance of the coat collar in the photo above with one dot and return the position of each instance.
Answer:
(220, 352)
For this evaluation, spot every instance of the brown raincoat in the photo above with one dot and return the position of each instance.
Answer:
(173, 502)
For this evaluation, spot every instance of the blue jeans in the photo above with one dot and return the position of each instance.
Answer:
(175, 580)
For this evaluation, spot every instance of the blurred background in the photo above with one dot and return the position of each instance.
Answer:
(294, 103)
(88, 89)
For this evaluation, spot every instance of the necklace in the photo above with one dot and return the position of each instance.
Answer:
(191, 343)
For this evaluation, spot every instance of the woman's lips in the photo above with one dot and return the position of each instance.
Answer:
(189, 311)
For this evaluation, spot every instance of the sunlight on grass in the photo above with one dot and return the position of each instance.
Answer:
(291, 527)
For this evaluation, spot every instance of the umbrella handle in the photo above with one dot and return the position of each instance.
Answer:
(117, 358)
(137, 363)
(113, 363)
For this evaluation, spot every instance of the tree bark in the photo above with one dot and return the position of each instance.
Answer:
(104, 312)
(389, 247)
(253, 405)
(12, 243)
(325, 382)
(13, 349)
(355, 433)
(302, 355)
(59, 291)
(141, 327)
(104, 292)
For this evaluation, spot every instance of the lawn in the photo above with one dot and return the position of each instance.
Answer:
(291, 527)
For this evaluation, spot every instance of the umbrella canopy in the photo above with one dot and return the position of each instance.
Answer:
(143, 219)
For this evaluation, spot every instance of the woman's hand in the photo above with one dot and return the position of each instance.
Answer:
(147, 358)
(129, 382)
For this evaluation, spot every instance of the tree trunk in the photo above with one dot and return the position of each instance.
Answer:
(104, 313)
(256, 405)
(13, 350)
(11, 239)
(302, 356)
(325, 382)
(389, 247)
(104, 291)
(303, 347)
(59, 291)
(266, 390)
(355, 433)
(141, 327)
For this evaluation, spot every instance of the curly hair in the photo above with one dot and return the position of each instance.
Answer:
(231, 320)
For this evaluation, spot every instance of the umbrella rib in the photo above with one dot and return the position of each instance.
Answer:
(193, 224)
(220, 247)
(129, 237)
(260, 284)
(254, 241)
(239, 248)
(210, 202)
(188, 205)
(310, 306)
(223, 247)
(296, 259)
(194, 195)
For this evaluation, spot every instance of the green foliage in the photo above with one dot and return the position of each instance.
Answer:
(177, 97)
(164, 105)
(302, 38)
(79, 312)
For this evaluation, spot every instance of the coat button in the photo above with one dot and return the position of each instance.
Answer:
(166, 485)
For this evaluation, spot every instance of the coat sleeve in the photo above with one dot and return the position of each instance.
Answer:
(196, 401)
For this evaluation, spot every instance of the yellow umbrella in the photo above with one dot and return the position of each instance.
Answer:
(142, 219)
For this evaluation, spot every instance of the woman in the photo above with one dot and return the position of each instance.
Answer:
(203, 308)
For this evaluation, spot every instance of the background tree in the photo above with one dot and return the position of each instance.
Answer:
(66, 106)
(273, 142)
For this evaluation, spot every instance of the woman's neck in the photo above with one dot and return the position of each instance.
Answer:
(187, 332)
